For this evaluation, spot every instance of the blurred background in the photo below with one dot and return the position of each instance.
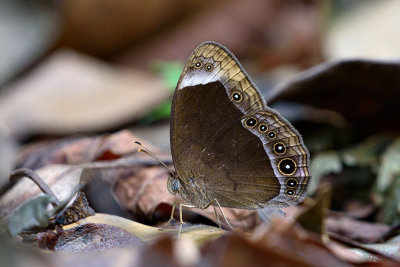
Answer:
(70, 67)
(80, 81)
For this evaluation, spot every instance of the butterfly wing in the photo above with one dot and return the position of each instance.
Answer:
(226, 143)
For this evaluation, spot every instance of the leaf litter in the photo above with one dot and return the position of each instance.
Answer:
(355, 151)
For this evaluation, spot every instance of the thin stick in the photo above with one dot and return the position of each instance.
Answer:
(25, 172)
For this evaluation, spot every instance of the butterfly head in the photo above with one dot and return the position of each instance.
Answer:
(173, 185)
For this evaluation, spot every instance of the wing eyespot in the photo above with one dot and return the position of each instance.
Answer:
(251, 122)
(289, 192)
(262, 127)
(287, 166)
(271, 135)
(291, 183)
(279, 148)
(236, 96)
(198, 64)
(209, 67)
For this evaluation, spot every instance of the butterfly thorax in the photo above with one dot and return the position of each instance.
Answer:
(190, 190)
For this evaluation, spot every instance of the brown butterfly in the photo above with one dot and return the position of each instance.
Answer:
(228, 147)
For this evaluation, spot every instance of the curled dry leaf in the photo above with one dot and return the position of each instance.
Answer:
(312, 217)
(148, 234)
(25, 189)
(373, 86)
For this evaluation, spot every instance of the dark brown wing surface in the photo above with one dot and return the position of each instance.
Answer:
(223, 136)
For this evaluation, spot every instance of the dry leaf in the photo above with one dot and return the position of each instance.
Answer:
(359, 231)
(92, 27)
(25, 189)
(373, 86)
(71, 93)
(77, 150)
(245, 28)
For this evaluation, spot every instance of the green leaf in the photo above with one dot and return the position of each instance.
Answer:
(169, 71)
(386, 193)
(321, 165)
(32, 214)
(368, 152)
(391, 203)
(390, 166)
(160, 112)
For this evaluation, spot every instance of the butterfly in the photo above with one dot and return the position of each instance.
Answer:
(228, 147)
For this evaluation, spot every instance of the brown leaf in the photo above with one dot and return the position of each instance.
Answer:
(94, 237)
(148, 234)
(373, 86)
(245, 28)
(81, 149)
(25, 189)
(280, 244)
(103, 28)
(78, 210)
(312, 217)
(360, 231)
(49, 239)
(71, 93)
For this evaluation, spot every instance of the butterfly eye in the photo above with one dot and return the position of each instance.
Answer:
(279, 148)
(197, 65)
(209, 67)
(173, 185)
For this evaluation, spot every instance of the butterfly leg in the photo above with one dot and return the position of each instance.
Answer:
(180, 215)
(217, 216)
(171, 218)
(222, 212)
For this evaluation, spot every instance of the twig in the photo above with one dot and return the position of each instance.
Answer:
(24, 172)
(113, 164)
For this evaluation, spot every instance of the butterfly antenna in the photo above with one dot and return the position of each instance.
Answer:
(145, 150)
